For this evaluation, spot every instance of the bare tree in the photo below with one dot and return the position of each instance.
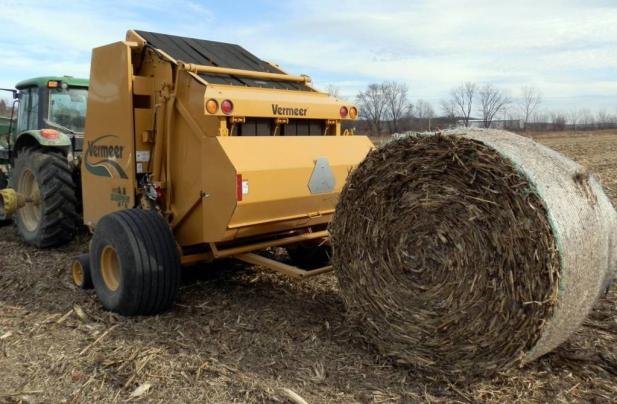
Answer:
(462, 97)
(530, 99)
(492, 101)
(424, 109)
(603, 119)
(334, 91)
(573, 118)
(587, 119)
(558, 120)
(372, 106)
(424, 112)
(448, 108)
(539, 116)
(397, 103)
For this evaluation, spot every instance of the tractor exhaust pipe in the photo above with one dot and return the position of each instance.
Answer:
(10, 202)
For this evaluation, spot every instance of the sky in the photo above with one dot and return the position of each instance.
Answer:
(565, 48)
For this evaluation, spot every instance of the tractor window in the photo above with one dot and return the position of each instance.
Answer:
(67, 107)
(22, 115)
(33, 115)
(24, 110)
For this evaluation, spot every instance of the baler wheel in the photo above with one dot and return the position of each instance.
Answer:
(135, 263)
(51, 218)
(80, 271)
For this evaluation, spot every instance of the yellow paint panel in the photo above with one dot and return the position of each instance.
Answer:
(277, 169)
(267, 102)
(278, 183)
(108, 166)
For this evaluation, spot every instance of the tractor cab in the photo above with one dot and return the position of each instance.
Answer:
(51, 112)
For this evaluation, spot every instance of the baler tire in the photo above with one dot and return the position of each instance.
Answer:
(135, 263)
(57, 220)
(81, 273)
(310, 255)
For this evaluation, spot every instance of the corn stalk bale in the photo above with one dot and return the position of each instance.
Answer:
(470, 252)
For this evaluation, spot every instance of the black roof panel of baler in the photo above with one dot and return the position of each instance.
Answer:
(221, 54)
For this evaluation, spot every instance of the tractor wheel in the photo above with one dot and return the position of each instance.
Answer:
(135, 263)
(310, 255)
(80, 271)
(51, 218)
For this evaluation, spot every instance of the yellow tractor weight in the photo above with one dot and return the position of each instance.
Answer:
(10, 202)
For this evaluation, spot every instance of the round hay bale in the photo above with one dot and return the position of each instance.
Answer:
(470, 252)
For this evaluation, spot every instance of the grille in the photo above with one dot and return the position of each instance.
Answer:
(265, 127)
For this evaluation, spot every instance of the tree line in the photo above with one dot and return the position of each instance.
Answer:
(386, 107)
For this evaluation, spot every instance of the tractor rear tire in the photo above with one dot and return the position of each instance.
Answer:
(52, 219)
(135, 263)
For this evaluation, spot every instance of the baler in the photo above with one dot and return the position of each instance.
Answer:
(197, 150)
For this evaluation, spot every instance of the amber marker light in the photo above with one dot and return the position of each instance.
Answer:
(212, 106)
(353, 112)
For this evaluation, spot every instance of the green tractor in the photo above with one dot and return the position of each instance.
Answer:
(40, 155)
(6, 123)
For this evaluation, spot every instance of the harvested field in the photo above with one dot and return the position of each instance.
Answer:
(242, 334)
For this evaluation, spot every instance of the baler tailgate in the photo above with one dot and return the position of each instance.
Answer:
(276, 174)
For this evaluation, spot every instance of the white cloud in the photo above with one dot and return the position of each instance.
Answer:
(44, 38)
(565, 47)
(434, 45)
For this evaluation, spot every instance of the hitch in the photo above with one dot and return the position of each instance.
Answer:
(10, 202)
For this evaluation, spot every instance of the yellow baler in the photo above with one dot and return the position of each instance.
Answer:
(196, 150)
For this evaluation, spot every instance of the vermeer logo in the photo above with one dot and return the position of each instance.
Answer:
(278, 110)
(105, 157)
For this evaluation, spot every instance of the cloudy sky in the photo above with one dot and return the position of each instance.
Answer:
(566, 48)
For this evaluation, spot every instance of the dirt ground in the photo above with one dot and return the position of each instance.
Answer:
(241, 334)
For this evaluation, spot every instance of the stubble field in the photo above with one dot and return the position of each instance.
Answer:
(242, 334)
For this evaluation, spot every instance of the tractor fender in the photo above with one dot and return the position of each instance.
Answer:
(34, 137)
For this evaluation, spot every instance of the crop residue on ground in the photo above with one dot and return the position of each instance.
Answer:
(242, 334)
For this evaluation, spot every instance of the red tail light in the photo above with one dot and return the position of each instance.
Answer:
(239, 187)
(227, 107)
(160, 194)
(344, 111)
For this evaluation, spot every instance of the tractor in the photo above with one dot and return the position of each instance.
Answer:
(40, 158)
